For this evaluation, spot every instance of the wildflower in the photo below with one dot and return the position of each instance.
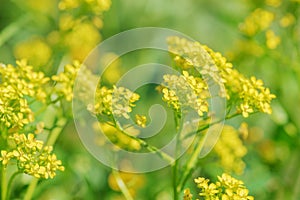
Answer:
(117, 101)
(187, 195)
(272, 40)
(35, 50)
(5, 157)
(258, 20)
(230, 150)
(81, 40)
(141, 120)
(16, 84)
(287, 20)
(226, 188)
(249, 94)
(33, 157)
(65, 80)
(185, 91)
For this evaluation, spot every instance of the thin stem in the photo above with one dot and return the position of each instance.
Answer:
(176, 164)
(211, 124)
(10, 184)
(56, 132)
(149, 147)
(191, 164)
(3, 183)
(31, 188)
(193, 160)
(122, 185)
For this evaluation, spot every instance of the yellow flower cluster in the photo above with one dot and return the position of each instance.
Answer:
(287, 20)
(272, 40)
(226, 188)
(230, 150)
(80, 33)
(32, 157)
(78, 22)
(17, 83)
(185, 91)
(249, 94)
(258, 20)
(65, 81)
(117, 101)
(35, 50)
(189, 54)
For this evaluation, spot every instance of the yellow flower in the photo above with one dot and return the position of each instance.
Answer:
(35, 50)
(226, 188)
(230, 150)
(287, 20)
(185, 91)
(187, 195)
(33, 157)
(141, 120)
(249, 95)
(258, 20)
(65, 80)
(272, 40)
(5, 157)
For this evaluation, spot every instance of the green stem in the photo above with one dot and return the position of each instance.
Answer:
(211, 124)
(9, 186)
(3, 183)
(191, 164)
(143, 143)
(122, 185)
(176, 163)
(194, 158)
(30, 189)
(56, 132)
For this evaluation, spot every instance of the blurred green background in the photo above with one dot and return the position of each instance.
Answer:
(273, 159)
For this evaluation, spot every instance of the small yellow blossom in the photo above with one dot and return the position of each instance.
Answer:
(230, 150)
(118, 101)
(258, 20)
(185, 91)
(35, 50)
(33, 157)
(187, 195)
(226, 188)
(65, 80)
(272, 40)
(141, 120)
(5, 157)
(287, 20)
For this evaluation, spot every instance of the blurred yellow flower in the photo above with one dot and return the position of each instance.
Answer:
(35, 50)
(258, 20)
(287, 20)
(272, 40)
